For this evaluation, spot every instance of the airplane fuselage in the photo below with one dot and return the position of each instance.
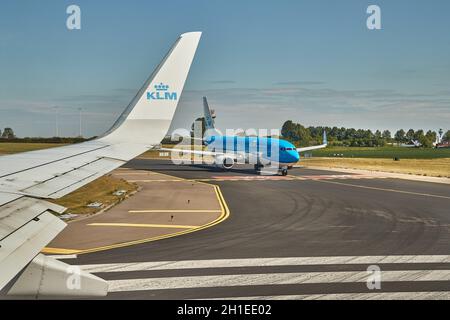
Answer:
(270, 149)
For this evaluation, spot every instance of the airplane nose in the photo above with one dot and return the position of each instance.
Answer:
(294, 156)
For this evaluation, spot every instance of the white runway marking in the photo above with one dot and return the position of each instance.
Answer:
(63, 256)
(122, 283)
(272, 279)
(259, 262)
(438, 295)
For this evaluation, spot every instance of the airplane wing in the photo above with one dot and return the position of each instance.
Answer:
(233, 155)
(188, 151)
(27, 222)
(323, 145)
(311, 148)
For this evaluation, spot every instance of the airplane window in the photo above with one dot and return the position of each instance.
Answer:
(282, 149)
(289, 149)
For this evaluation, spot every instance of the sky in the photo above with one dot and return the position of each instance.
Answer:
(260, 63)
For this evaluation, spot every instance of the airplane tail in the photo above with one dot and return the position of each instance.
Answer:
(209, 120)
(149, 115)
(210, 129)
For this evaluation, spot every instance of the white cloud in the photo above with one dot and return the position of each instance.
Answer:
(244, 108)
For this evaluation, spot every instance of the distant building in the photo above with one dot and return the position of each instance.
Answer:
(444, 144)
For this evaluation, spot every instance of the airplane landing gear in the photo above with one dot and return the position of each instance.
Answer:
(283, 171)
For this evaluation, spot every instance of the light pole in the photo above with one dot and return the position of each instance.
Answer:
(80, 109)
(56, 122)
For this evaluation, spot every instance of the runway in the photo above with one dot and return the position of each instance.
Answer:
(310, 235)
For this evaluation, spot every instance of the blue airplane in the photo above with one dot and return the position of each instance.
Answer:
(260, 151)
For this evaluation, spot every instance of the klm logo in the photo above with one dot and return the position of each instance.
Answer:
(161, 92)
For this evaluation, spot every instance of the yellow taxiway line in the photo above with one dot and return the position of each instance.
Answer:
(174, 211)
(141, 225)
(225, 213)
(135, 173)
(157, 180)
(62, 251)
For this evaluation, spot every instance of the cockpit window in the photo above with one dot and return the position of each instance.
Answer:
(288, 149)
(283, 149)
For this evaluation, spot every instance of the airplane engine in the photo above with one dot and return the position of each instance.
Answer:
(224, 162)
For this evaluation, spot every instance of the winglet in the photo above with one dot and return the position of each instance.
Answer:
(324, 142)
(149, 115)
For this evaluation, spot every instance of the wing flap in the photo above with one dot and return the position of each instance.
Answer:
(21, 162)
(10, 220)
(43, 181)
(70, 181)
(26, 226)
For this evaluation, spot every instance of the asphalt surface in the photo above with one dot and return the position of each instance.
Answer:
(147, 215)
(274, 221)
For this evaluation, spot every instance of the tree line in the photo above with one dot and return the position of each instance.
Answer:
(350, 137)
(8, 135)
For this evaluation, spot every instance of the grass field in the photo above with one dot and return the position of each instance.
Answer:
(347, 152)
(10, 148)
(383, 152)
(100, 190)
(431, 162)
(425, 167)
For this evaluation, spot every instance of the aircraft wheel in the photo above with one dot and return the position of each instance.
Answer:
(284, 172)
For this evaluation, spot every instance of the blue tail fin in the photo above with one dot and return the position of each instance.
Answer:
(209, 121)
